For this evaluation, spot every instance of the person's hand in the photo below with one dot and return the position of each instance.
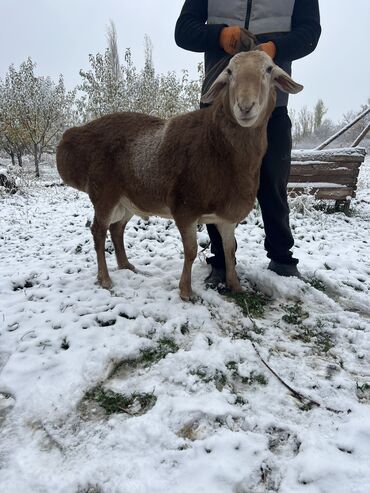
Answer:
(268, 48)
(230, 39)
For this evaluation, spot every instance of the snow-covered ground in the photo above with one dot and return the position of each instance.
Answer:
(135, 391)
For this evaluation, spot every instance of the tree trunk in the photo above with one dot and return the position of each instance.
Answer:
(12, 156)
(37, 160)
(19, 157)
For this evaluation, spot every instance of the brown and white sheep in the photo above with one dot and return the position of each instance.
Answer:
(199, 167)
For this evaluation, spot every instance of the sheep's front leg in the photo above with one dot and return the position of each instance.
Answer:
(99, 232)
(117, 230)
(226, 231)
(188, 233)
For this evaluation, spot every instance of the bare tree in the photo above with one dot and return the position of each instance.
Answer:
(302, 124)
(107, 89)
(113, 51)
(319, 113)
(13, 140)
(38, 108)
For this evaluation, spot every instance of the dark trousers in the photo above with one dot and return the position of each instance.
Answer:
(272, 195)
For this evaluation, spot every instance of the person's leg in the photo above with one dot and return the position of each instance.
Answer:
(272, 193)
(218, 259)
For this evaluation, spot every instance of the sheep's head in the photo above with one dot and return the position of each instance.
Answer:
(249, 83)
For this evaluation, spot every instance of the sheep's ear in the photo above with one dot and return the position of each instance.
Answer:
(215, 88)
(284, 82)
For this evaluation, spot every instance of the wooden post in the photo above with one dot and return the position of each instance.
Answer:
(361, 136)
(333, 137)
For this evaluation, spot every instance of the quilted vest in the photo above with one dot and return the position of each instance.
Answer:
(267, 19)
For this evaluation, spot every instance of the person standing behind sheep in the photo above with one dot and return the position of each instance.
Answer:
(286, 30)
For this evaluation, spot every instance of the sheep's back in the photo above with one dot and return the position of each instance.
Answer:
(96, 151)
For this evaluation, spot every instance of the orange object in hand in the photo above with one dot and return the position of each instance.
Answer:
(229, 39)
(268, 48)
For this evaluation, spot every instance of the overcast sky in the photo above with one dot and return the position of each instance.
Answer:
(59, 35)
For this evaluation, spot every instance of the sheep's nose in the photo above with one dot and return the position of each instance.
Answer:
(246, 108)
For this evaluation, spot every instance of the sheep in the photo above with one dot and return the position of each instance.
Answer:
(198, 167)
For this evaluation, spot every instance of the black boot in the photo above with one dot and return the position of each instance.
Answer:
(285, 270)
(217, 276)
(217, 262)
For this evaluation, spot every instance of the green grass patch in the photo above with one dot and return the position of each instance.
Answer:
(363, 391)
(324, 341)
(317, 284)
(232, 366)
(255, 378)
(251, 303)
(304, 334)
(151, 355)
(206, 375)
(147, 357)
(239, 400)
(319, 338)
(113, 402)
(294, 314)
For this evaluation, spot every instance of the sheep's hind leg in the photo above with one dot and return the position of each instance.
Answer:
(117, 231)
(99, 231)
(188, 233)
(226, 231)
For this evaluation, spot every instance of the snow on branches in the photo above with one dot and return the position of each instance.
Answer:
(108, 89)
(34, 111)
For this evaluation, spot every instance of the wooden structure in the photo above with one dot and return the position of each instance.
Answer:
(329, 174)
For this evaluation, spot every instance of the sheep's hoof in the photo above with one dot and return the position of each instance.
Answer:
(127, 266)
(106, 283)
(236, 287)
(240, 289)
(186, 295)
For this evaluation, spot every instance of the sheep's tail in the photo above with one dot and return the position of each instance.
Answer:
(72, 164)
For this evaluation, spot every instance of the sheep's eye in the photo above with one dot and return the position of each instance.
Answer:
(269, 69)
(228, 71)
